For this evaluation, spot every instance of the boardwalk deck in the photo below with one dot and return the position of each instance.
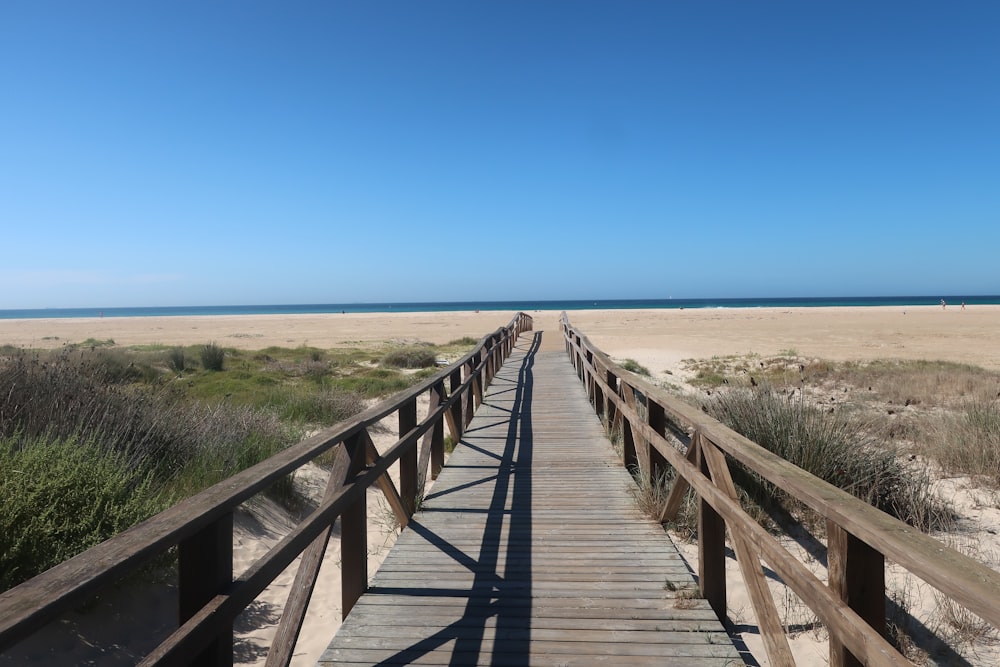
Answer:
(530, 551)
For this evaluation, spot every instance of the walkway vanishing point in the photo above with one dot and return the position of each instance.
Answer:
(530, 550)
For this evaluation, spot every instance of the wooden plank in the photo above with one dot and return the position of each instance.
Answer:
(408, 461)
(205, 569)
(711, 547)
(354, 530)
(771, 630)
(675, 499)
(30, 605)
(385, 483)
(856, 576)
(530, 549)
(294, 611)
(963, 579)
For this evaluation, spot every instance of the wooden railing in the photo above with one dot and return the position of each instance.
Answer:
(660, 430)
(201, 527)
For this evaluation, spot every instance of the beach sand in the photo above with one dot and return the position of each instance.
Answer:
(664, 336)
(658, 339)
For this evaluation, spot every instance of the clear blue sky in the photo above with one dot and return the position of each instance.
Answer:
(196, 153)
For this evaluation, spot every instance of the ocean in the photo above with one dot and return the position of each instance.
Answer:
(526, 306)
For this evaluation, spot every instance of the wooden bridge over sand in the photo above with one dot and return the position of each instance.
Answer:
(528, 549)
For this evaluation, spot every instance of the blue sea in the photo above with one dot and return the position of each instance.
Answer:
(526, 306)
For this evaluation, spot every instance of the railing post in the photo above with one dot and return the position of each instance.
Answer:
(589, 376)
(354, 531)
(610, 408)
(205, 569)
(630, 457)
(657, 419)
(600, 406)
(408, 483)
(456, 408)
(437, 433)
(711, 544)
(857, 576)
(475, 390)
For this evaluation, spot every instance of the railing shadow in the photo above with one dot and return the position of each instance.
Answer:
(506, 596)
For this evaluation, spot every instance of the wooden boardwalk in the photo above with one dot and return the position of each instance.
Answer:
(529, 550)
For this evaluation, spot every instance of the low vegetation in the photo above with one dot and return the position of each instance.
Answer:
(633, 366)
(943, 413)
(95, 438)
(838, 447)
(415, 356)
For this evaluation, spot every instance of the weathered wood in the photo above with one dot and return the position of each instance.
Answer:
(408, 481)
(432, 445)
(29, 606)
(294, 611)
(656, 419)
(385, 483)
(771, 630)
(711, 548)
(473, 379)
(205, 569)
(437, 437)
(675, 499)
(600, 403)
(842, 621)
(611, 414)
(857, 576)
(456, 422)
(530, 547)
(354, 530)
(630, 457)
(961, 578)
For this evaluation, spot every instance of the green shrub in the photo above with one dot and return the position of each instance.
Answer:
(633, 366)
(163, 440)
(62, 496)
(464, 341)
(416, 356)
(212, 357)
(324, 405)
(373, 383)
(175, 359)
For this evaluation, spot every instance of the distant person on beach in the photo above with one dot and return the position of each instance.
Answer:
(963, 305)
(943, 304)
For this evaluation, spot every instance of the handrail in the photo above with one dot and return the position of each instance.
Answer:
(201, 526)
(859, 536)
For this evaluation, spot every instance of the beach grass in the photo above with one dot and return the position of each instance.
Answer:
(838, 447)
(135, 430)
(946, 413)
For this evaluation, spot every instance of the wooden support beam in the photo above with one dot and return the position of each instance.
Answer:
(456, 422)
(392, 496)
(354, 530)
(610, 411)
(657, 420)
(711, 548)
(856, 576)
(408, 461)
(676, 496)
(294, 612)
(630, 457)
(205, 569)
(771, 630)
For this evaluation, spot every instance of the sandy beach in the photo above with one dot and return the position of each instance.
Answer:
(659, 339)
(662, 337)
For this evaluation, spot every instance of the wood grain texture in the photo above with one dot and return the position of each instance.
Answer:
(530, 550)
